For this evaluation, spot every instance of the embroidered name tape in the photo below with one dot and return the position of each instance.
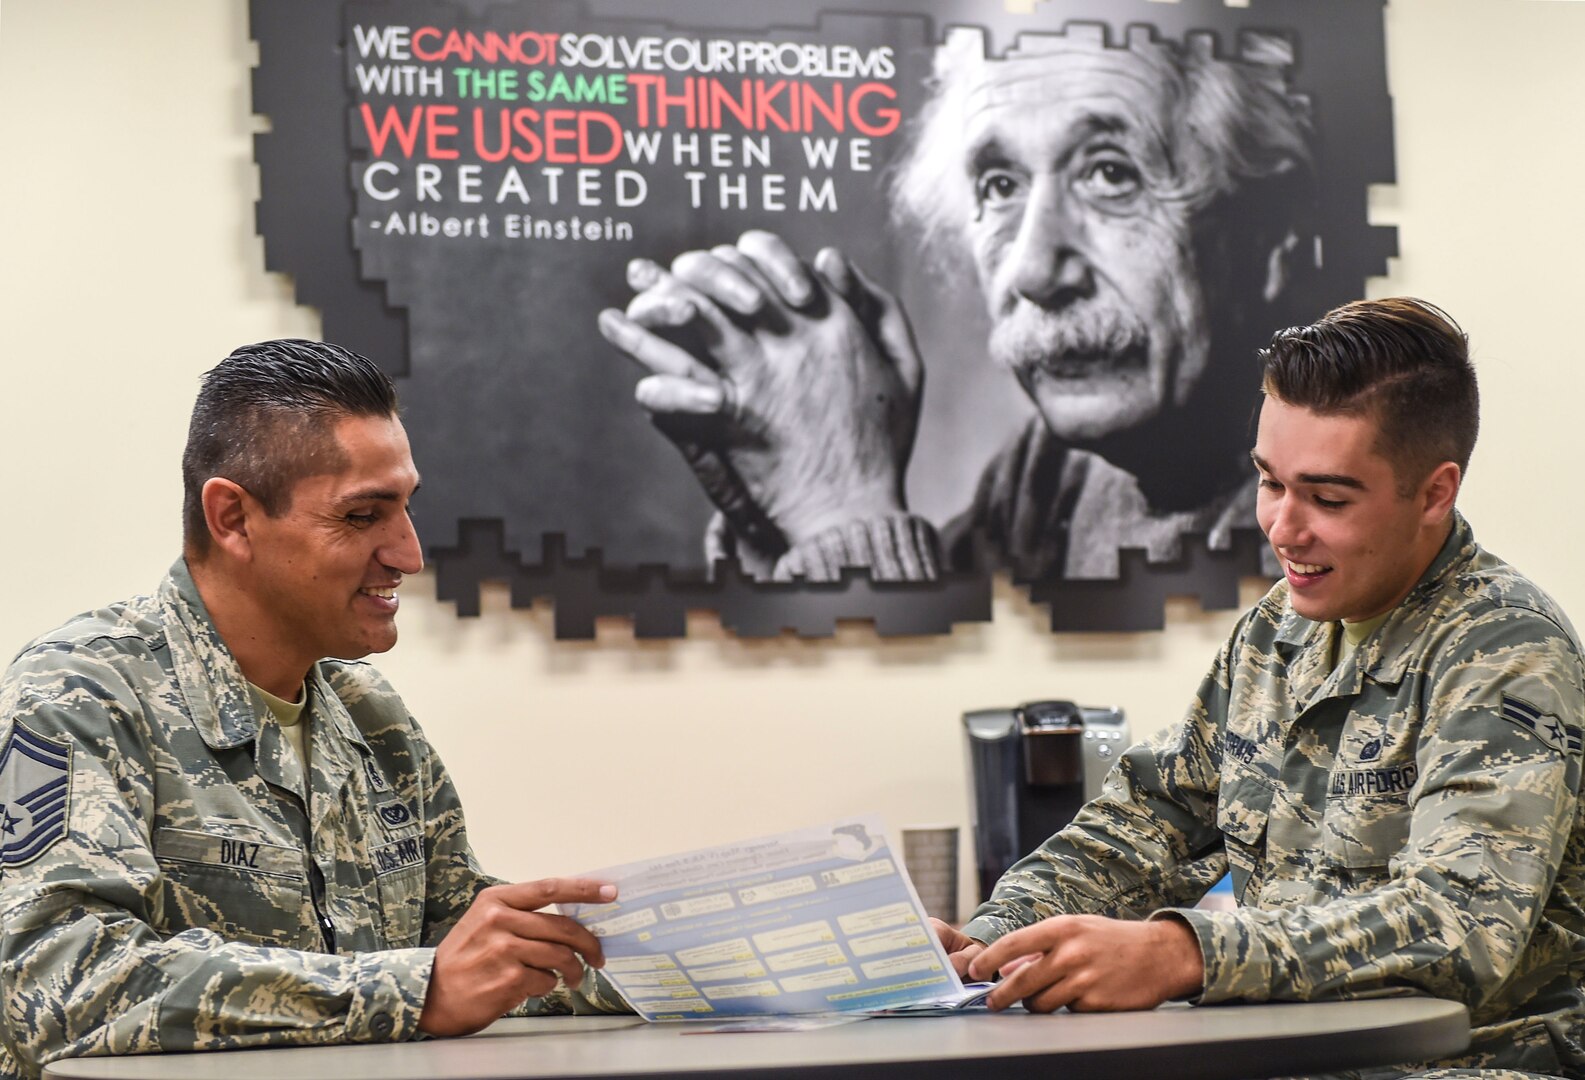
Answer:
(1239, 747)
(1388, 781)
(398, 855)
(234, 852)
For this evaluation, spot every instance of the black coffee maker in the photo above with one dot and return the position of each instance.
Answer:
(1030, 769)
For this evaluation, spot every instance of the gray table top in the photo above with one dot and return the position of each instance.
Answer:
(1204, 1043)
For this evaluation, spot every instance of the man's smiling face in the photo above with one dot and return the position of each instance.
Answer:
(1350, 544)
(327, 568)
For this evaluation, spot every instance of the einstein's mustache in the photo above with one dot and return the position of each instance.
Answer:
(1071, 342)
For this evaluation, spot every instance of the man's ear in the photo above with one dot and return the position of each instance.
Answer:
(1440, 491)
(228, 511)
(1279, 267)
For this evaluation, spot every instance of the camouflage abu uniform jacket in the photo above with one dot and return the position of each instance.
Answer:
(154, 889)
(1407, 822)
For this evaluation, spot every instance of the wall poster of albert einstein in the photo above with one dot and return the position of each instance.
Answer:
(800, 312)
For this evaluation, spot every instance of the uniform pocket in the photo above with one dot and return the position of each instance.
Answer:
(1364, 833)
(399, 869)
(1243, 807)
(241, 888)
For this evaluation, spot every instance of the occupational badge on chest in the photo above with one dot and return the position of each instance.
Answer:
(35, 795)
(393, 813)
(1369, 762)
(1391, 780)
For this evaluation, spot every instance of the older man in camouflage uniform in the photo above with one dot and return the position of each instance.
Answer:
(213, 837)
(1385, 754)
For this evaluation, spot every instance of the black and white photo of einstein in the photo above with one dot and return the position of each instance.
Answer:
(1132, 215)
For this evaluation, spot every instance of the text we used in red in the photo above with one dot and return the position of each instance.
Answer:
(436, 132)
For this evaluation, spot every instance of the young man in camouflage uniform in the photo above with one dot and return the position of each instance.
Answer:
(210, 835)
(1385, 755)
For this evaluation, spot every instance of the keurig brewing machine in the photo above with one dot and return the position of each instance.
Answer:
(1031, 768)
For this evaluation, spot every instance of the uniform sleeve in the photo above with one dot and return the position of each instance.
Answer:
(82, 971)
(1150, 839)
(1491, 812)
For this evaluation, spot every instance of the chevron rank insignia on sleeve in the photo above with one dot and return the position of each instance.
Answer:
(1549, 729)
(35, 788)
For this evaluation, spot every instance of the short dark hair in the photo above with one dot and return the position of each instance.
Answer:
(264, 419)
(1402, 359)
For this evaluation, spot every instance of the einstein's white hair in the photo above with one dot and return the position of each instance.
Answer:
(1247, 123)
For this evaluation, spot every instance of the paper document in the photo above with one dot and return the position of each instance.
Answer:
(974, 995)
(819, 920)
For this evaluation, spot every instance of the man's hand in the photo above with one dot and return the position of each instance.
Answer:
(960, 948)
(1092, 964)
(504, 949)
(807, 380)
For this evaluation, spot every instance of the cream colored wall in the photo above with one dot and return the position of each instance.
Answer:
(128, 264)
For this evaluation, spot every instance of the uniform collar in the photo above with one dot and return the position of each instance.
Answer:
(1386, 654)
(217, 695)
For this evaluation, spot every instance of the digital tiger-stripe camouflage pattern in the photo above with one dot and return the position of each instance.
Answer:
(190, 893)
(1408, 821)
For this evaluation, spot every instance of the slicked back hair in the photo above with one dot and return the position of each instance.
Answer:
(265, 418)
(1402, 360)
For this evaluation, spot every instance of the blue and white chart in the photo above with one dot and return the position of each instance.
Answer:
(819, 920)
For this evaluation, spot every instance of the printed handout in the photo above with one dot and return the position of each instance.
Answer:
(818, 920)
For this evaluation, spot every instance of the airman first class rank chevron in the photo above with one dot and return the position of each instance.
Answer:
(1548, 729)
